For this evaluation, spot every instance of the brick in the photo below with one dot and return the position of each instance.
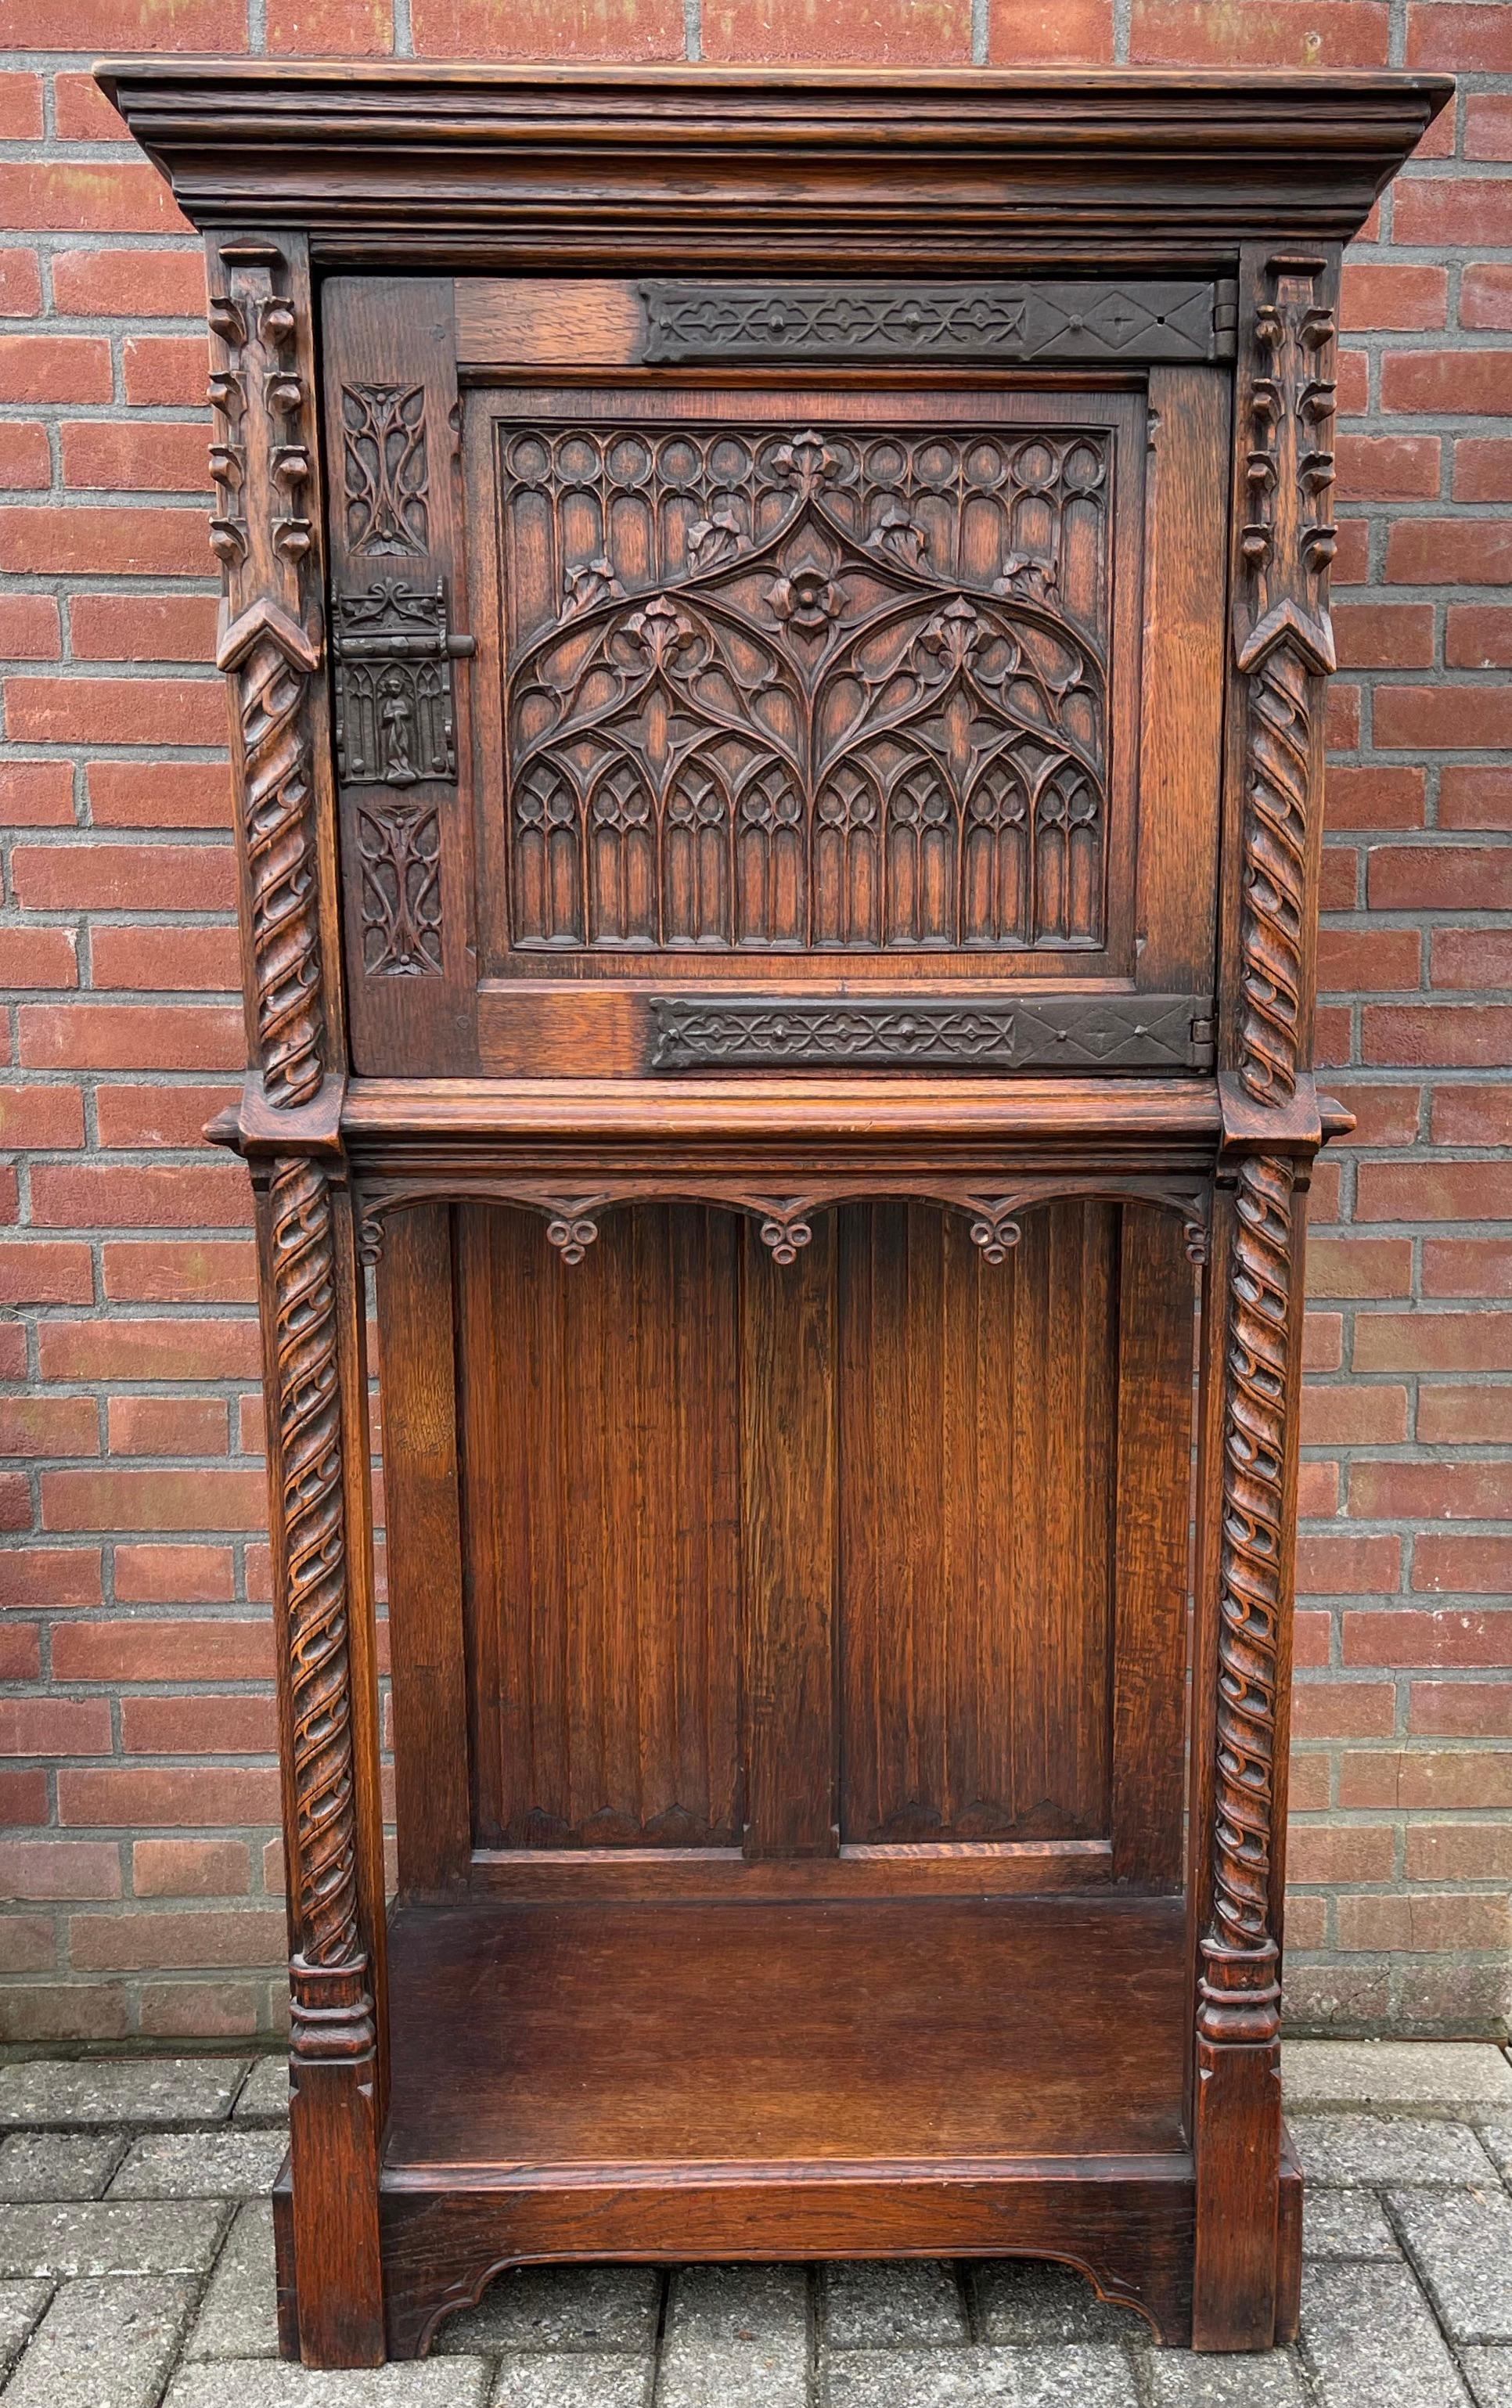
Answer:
(84, 2011)
(20, 1651)
(1483, 468)
(1374, 795)
(21, 108)
(205, 1725)
(203, 1272)
(186, 1796)
(89, 540)
(41, 1117)
(1390, 295)
(54, 1726)
(1334, 1709)
(35, 1271)
(81, 113)
(23, 1799)
(1431, 1191)
(1341, 718)
(1488, 125)
(331, 28)
(1469, 1640)
(68, 196)
(1449, 551)
(1462, 1562)
(1339, 878)
(1311, 1643)
(159, 793)
(160, 1425)
(1467, 1266)
(619, 30)
(1463, 210)
(1322, 1341)
(132, 1115)
(115, 710)
(55, 367)
(170, 959)
(120, 457)
(49, 1576)
(1462, 382)
(1372, 1266)
(1434, 1342)
(26, 456)
(1447, 717)
(179, 2009)
(1317, 1490)
(115, 1500)
(1460, 1852)
(46, 1426)
(21, 286)
(1472, 1115)
(30, 630)
(88, 1195)
(1485, 297)
(1385, 636)
(131, 1037)
(1383, 1115)
(1354, 961)
(1357, 1852)
(1462, 1708)
(182, 1349)
(130, 877)
(28, 1945)
(168, 1576)
(189, 1867)
(1275, 32)
(1478, 635)
(165, 369)
(59, 1868)
(1462, 1415)
(37, 957)
(36, 793)
(1356, 1413)
(1390, 468)
(1038, 32)
(134, 283)
(1449, 1036)
(1351, 561)
(113, 1943)
(1451, 34)
(145, 626)
(1424, 1922)
(1339, 1566)
(124, 24)
(1426, 1778)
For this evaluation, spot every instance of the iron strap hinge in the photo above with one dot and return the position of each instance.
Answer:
(392, 650)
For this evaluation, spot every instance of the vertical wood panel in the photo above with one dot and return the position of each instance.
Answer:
(601, 1530)
(1156, 1336)
(788, 1504)
(425, 1551)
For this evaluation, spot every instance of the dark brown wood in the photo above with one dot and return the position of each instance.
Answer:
(811, 640)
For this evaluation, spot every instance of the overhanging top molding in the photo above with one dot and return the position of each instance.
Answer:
(590, 169)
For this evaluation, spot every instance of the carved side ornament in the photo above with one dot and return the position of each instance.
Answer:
(271, 647)
(1284, 645)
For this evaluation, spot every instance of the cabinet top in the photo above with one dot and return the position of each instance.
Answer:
(408, 162)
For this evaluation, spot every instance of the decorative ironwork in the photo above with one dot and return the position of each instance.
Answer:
(395, 719)
(1132, 321)
(261, 461)
(1068, 1033)
(387, 467)
(784, 691)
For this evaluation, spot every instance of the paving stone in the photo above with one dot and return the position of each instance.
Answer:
(256, 2382)
(239, 2317)
(878, 2305)
(561, 2307)
(58, 2165)
(1021, 2299)
(197, 2165)
(264, 2096)
(20, 2304)
(1490, 2372)
(1496, 2136)
(734, 2373)
(589, 2379)
(739, 2304)
(1346, 2223)
(1394, 2073)
(138, 2237)
(1381, 2150)
(104, 2343)
(1460, 2242)
(1178, 2378)
(1372, 2341)
(978, 2377)
(120, 2090)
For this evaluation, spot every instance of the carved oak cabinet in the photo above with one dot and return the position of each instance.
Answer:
(776, 628)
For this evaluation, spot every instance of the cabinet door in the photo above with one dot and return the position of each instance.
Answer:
(825, 711)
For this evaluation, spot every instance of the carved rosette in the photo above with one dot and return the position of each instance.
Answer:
(1284, 647)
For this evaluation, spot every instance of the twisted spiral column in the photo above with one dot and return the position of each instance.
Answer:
(285, 935)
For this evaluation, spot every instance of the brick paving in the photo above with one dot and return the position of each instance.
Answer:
(136, 2272)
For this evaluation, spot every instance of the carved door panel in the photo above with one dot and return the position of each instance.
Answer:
(824, 667)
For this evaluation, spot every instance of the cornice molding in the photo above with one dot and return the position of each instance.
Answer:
(631, 169)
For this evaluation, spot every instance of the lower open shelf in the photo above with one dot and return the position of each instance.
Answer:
(945, 2076)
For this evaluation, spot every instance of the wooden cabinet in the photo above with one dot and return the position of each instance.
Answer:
(775, 629)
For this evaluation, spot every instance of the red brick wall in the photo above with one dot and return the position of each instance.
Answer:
(137, 1787)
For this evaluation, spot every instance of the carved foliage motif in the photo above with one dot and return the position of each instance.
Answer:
(269, 645)
(331, 2008)
(1135, 320)
(396, 729)
(780, 691)
(387, 470)
(1096, 1032)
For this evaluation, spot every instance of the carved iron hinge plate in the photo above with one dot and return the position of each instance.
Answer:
(1130, 321)
(393, 651)
(1085, 1032)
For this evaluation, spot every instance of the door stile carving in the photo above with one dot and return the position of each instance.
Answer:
(1282, 649)
(271, 647)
